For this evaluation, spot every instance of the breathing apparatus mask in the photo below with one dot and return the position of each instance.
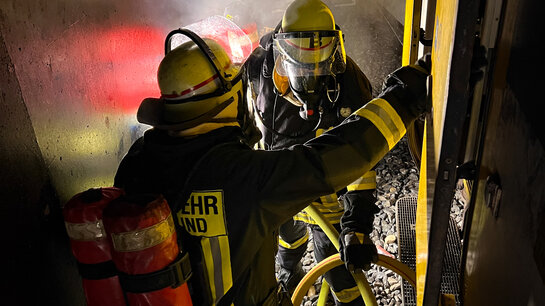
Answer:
(306, 65)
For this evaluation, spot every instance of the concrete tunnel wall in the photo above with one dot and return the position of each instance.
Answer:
(73, 74)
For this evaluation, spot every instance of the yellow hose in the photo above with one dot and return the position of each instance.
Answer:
(333, 235)
(327, 227)
(312, 275)
(334, 261)
(324, 292)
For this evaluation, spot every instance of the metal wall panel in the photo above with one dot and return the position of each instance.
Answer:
(505, 262)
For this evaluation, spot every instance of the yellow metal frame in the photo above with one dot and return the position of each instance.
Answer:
(411, 34)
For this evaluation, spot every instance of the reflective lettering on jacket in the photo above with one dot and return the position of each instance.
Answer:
(203, 215)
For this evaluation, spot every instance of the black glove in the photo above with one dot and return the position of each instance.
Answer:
(356, 248)
(408, 85)
(357, 251)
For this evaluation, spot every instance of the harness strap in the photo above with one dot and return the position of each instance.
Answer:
(97, 271)
(172, 276)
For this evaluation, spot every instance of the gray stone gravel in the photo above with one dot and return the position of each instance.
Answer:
(397, 177)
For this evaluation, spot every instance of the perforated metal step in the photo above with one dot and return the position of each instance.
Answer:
(406, 221)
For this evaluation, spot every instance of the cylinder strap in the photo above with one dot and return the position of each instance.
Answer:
(172, 276)
(97, 271)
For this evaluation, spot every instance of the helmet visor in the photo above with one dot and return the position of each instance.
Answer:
(229, 35)
(309, 53)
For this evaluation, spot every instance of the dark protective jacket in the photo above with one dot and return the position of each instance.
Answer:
(240, 196)
(282, 127)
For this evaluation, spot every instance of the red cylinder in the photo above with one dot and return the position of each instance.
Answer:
(143, 236)
(91, 247)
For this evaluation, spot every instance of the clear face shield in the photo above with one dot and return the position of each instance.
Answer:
(305, 62)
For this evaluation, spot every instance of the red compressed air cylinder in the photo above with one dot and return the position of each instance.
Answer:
(141, 230)
(91, 247)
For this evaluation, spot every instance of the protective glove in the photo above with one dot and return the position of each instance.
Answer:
(408, 85)
(356, 248)
(357, 251)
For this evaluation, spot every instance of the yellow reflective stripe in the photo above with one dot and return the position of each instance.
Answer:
(379, 124)
(145, 238)
(359, 236)
(328, 206)
(367, 186)
(226, 263)
(347, 295)
(333, 218)
(392, 114)
(326, 210)
(385, 119)
(370, 173)
(335, 204)
(217, 259)
(209, 264)
(85, 231)
(294, 245)
(329, 199)
(367, 181)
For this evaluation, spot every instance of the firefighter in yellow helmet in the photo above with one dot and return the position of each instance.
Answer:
(228, 199)
(304, 83)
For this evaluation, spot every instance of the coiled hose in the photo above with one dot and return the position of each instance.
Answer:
(335, 260)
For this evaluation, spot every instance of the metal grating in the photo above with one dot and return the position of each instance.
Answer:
(406, 220)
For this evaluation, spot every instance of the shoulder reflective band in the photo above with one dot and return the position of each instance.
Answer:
(385, 118)
(172, 276)
(366, 182)
(294, 245)
(143, 238)
(85, 231)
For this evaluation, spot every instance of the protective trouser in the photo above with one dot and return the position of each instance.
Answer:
(340, 280)
(292, 244)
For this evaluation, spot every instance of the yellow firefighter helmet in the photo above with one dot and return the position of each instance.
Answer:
(200, 88)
